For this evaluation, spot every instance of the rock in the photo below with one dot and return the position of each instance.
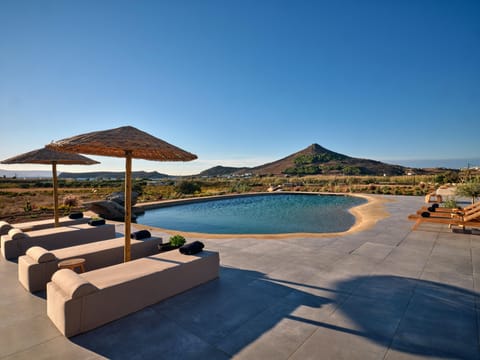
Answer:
(137, 210)
(119, 197)
(109, 210)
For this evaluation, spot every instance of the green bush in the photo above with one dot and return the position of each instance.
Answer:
(177, 240)
(450, 203)
(188, 187)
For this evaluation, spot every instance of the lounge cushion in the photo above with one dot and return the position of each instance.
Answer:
(192, 248)
(142, 234)
(40, 255)
(76, 215)
(96, 222)
(73, 285)
(425, 214)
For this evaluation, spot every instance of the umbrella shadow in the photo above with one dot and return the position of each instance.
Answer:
(223, 317)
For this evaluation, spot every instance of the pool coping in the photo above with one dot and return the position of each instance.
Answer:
(366, 215)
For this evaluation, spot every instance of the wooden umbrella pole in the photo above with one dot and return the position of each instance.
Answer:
(128, 204)
(55, 193)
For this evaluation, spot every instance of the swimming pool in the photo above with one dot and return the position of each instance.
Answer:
(258, 214)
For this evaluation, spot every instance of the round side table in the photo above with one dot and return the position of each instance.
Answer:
(72, 264)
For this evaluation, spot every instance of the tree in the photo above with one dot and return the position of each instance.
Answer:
(470, 189)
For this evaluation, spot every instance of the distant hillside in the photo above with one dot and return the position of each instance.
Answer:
(26, 174)
(317, 160)
(113, 175)
(222, 171)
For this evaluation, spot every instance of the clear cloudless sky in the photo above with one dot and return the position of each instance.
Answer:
(241, 83)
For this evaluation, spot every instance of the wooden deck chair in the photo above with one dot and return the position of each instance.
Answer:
(444, 212)
(472, 219)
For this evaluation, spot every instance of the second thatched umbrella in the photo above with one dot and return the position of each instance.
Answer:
(50, 157)
(127, 142)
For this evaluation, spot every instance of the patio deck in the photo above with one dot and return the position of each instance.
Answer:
(384, 293)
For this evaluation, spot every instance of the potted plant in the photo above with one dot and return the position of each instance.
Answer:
(175, 242)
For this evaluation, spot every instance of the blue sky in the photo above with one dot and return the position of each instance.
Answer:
(241, 83)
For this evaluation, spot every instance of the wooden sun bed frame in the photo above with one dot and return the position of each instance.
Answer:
(472, 219)
(17, 242)
(36, 267)
(77, 303)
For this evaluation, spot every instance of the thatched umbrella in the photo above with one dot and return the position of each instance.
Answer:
(50, 157)
(127, 142)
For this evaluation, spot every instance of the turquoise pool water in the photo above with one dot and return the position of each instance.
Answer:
(260, 214)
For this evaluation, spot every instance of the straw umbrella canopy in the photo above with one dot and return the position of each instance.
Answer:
(50, 157)
(126, 142)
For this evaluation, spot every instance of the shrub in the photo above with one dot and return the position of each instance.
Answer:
(450, 203)
(28, 206)
(188, 187)
(177, 240)
(71, 201)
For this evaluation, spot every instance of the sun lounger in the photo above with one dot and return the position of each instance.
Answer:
(77, 303)
(465, 210)
(472, 219)
(5, 227)
(17, 242)
(36, 267)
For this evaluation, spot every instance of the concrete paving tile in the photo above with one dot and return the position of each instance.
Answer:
(19, 308)
(476, 283)
(393, 354)
(292, 271)
(412, 254)
(146, 335)
(245, 261)
(227, 308)
(354, 264)
(273, 333)
(410, 269)
(374, 251)
(475, 260)
(439, 274)
(311, 243)
(376, 319)
(455, 264)
(333, 342)
(25, 333)
(59, 348)
(421, 240)
(386, 288)
(439, 321)
(387, 238)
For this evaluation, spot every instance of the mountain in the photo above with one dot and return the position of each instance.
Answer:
(113, 175)
(20, 174)
(315, 159)
(222, 171)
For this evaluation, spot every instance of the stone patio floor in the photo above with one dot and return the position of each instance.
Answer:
(384, 293)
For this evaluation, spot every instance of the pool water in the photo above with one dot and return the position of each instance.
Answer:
(258, 214)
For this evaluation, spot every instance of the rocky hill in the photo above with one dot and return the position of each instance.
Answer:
(222, 171)
(315, 159)
(112, 175)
